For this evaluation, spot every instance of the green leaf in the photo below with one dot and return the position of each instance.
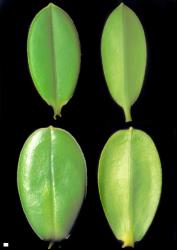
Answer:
(129, 180)
(54, 56)
(123, 50)
(52, 182)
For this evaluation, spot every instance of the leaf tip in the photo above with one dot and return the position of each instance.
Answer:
(122, 5)
(51, 5)
(131, 129)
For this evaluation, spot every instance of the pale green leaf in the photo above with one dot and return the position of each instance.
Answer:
(123, 50)
(129, 180)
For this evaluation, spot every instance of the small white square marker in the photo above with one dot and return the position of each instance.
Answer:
(5, 244)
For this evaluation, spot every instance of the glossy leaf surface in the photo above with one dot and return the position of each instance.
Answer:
(123, 50)
(54, 56)
(129, 180)
(51, 182)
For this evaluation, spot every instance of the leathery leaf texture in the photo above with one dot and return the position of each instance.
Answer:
(53, 51)
(123, 49)
(52, 182)
(129, 180)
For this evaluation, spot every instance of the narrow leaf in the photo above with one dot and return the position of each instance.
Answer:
(54, 56)
(51, 182)
(129, 180)
(123, 50)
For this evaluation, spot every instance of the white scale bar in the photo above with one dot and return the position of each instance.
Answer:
(5, 244)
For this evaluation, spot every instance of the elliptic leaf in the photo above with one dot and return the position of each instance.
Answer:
(123, 50)
(129, 180)
(54, 56)
(51, 182)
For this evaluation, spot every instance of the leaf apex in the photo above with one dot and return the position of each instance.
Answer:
(51, 4)
(122, 5)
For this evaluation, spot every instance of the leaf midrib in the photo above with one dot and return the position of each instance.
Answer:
(52, 181)
(53, 55)
(129, 226)
(125, 74)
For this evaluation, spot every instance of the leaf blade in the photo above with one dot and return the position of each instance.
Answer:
(129, 188)
(51, 182)
(123, 51)
(53, 51)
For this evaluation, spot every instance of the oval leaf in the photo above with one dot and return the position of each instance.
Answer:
(123, 50)
(129, 180)
(51, 181)
(54, 56)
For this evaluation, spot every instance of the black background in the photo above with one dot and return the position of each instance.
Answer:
(91, 116)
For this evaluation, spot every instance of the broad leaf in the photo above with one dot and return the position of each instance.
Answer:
(54, 56)
(51, 182)
(129, 180)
